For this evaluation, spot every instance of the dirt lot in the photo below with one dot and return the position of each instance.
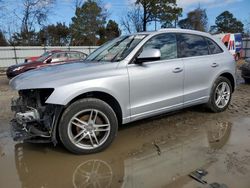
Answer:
(157, 152)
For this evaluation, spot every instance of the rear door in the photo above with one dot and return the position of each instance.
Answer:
(201, 68)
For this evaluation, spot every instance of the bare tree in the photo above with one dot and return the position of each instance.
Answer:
(78, 3)
(6, 21)
(2, 6)
(247, 28)
(33, 13)
(132, 22)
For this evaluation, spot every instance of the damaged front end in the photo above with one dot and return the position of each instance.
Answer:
(34, 120)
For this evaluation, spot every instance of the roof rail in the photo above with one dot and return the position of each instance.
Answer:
(165, 29)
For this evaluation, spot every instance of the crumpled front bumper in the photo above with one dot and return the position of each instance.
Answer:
(36, 124)
(18, 132)
(24, 125)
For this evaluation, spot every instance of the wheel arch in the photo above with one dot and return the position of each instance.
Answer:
(211, 102)
(109, 99)
(230, 77)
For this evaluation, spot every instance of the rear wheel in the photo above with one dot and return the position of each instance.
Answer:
(220, 96)
(88, 126)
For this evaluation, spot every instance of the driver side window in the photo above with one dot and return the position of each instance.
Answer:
(166, 43)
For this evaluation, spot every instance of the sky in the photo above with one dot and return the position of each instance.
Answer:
(63, 11)
(240, 9)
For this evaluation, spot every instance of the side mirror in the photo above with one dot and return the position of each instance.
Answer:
(150, 54)
(48, 60)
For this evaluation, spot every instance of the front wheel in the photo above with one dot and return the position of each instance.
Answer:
(88, 126)
(220, 96)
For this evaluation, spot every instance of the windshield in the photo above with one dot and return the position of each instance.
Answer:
(117, 49)
(44, 56)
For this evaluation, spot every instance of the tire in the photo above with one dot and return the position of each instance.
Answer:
(212, 105)
(88, 135)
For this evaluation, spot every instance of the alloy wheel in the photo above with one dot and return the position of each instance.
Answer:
(89, 129)
(222, 94)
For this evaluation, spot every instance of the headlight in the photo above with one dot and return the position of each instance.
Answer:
(36, 94)
(18, 68)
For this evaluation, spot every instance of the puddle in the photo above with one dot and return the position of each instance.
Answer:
(220, 147)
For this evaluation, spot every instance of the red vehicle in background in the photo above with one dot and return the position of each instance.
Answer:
(47, 59)
(34, 58)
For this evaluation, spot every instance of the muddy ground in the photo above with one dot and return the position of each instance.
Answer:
(157, 152)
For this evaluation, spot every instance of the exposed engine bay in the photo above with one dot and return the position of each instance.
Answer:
(34, 120)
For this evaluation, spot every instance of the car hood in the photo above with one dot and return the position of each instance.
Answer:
(58, 75)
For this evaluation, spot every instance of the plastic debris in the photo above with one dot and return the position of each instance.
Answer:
(198, 175)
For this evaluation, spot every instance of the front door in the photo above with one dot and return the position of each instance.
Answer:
(157, 86)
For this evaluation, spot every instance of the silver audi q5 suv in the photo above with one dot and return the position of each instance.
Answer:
(129, 78)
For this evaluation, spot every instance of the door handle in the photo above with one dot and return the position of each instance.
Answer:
(177, 69)
(214, 65)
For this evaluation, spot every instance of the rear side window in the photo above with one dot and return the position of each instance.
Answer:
(191, 45)
(213, 47)
(166, 43)
(74, 56)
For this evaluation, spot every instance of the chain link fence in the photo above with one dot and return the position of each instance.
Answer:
(16, 54)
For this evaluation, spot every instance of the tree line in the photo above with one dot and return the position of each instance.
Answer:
(90, 24)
